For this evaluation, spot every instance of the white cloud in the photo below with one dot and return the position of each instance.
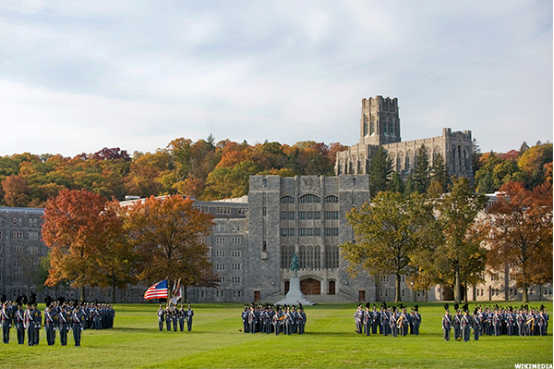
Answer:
(137, 74)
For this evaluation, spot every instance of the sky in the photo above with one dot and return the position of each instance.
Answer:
(78, 76)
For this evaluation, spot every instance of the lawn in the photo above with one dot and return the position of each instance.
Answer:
(216, 342)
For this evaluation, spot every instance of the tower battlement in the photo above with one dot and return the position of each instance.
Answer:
(380, 122)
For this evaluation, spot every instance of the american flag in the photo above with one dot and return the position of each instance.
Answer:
(157, 291)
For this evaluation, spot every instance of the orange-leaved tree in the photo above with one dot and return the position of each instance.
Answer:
(521, 234)
(77, 228)
(168, 234)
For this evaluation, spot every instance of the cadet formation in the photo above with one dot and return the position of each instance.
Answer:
(495, 321)
(271, 319)
(392, 320)
(171, 316)
(59, 316)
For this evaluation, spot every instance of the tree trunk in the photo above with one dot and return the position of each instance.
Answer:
(113, 289)
(465, 292)
(397, 292)
(83, 293)
(525, 297)
(457, 289)
(425, 293)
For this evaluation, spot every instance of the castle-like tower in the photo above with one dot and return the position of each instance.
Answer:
(380, 125)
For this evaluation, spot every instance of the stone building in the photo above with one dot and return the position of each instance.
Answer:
(21, 248)
(380, 125)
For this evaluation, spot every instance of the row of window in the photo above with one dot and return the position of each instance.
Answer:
(310, 257)
(18, 249)
(236, 293)
(309, 232)
(309, 199)
(234, 266)
(18, 222)
(234, 240)
(18, 235)
(309, 215)
(19, 263)
(234, 228)
(234, 253)
(386, 278)
(225, 210)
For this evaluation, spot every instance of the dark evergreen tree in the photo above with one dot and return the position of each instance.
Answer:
(380, 169)
(396, 183)
(408, 186)
(439, 172)
(523, 148)
(421, 177)
(476, 156)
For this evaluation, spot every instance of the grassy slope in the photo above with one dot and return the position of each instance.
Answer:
(216, 342)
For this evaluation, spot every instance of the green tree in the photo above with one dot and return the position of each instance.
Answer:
(386, 232)
(457, 217)
(379, 171)
(396, 183)
(439, 172)
(422, 175)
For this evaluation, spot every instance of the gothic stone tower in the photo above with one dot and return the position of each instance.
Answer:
(379, 123)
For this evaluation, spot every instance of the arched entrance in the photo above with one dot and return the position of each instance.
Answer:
(310, 286)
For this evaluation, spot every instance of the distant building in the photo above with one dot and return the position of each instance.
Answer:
(380, 125)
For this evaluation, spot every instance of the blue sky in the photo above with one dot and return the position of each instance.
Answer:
(77, 76)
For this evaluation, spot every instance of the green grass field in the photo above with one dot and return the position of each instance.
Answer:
(216, 342)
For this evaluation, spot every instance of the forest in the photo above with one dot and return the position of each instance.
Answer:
(208, 170)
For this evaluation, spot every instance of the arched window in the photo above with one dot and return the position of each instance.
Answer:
(302, 258)
(287, 200)
(310, 257)
(331, 199)
(310, 199)
(317, 257)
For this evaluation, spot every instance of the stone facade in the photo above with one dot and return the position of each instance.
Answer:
(380, 125)
(21, 248)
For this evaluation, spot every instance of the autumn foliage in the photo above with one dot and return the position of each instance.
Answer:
(521, 234)
(167, 234)
(78, 228)
(202, 169)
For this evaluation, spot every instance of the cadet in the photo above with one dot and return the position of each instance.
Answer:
(358, 319)
(161, 316)
(190, 314)
(174, 319)
(416, 320)
(37, 317)
(376, 321)
(78, 320)
(457, 325)
(446, 323)
(466, 324)
(20, 324)
(476, 325)
(182, 318)
(50, 319)
(168, 319)
(244, 316)
(30, 324)
(6, 322)
(384, 318)
(63, 321)
(368, 320)
(301, 320)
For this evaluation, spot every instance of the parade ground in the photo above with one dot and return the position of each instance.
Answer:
(330, 341)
